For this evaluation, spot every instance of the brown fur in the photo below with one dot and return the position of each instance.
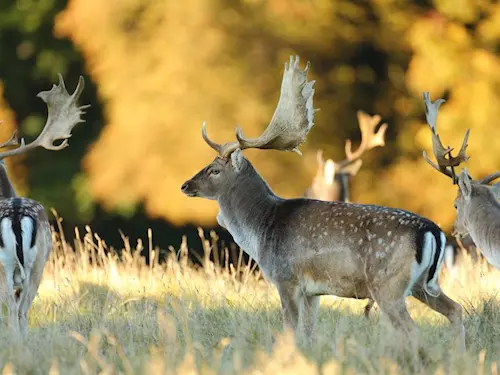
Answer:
(309, 248)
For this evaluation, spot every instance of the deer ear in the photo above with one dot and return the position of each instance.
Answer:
(465, 184)
(237, 160)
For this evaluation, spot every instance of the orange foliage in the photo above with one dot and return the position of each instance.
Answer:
(163, 67)
(17, 171)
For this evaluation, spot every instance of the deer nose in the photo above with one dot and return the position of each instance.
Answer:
(185, 186)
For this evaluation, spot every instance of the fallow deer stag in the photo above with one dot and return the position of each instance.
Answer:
(478, 209)
(309, 248)
(25, 236)
(331, 182)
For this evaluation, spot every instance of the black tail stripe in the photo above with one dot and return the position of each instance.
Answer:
(419, 247)
(16, 228)
(1, 237)
(432, 271)
(33, 232)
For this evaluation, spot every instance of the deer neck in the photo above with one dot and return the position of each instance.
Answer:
(246, 211)
(6, 188)
(483, 223)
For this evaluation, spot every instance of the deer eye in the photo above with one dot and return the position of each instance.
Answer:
(214, 172)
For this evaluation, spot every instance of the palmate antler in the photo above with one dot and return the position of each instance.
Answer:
(369, 139)
(292, 119)
(63, 115)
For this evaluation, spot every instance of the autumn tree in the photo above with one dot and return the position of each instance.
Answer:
(163, 67)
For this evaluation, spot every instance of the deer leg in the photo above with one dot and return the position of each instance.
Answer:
(13, 313)
(24, 305)
(290, 305)
(447, 307)
(4, 290)
(398, 317)
(308, 315)
(34, 276)
(7, 296)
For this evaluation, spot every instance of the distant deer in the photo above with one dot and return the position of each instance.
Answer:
(331, 182)
(25, 236)
(309, 248)
(478, 209)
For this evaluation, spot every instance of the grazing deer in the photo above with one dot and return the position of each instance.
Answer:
(25, 236)
(309, 248)
(478, 209)
(331, 182)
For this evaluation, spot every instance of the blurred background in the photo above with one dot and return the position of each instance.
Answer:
(155, 69)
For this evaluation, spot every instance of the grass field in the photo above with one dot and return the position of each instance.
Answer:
(98, 314)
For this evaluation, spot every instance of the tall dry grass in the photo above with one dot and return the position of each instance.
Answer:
(108, 312)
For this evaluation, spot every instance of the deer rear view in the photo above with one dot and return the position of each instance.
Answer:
(309, 248)
(25, 235)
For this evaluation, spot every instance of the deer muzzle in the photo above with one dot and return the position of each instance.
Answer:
(189, 188)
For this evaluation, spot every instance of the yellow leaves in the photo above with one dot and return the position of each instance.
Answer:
(466, 11)
(164, 67)
(441, 54)
(485, 63)
(489, 29)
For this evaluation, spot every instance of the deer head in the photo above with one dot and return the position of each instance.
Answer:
(473, 196)
(289, 126)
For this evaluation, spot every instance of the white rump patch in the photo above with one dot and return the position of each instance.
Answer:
(432, 284)
(27, 233)
(8, 238)
(8, 256)
(417, 270)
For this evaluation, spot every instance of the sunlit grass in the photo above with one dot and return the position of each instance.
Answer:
(98, 312)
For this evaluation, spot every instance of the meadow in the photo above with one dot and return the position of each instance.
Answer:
(105, 311)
